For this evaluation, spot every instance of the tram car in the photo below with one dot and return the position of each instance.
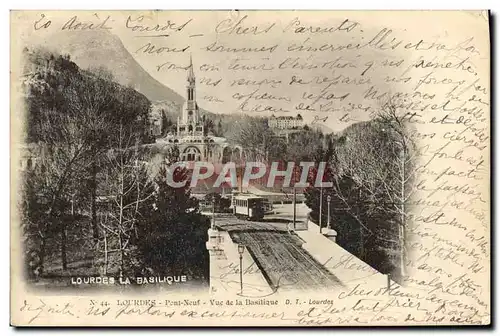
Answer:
(250, 207)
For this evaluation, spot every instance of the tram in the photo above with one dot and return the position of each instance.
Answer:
(250, 207)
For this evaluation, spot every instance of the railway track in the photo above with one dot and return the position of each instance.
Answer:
(284, 262)
(279, 254)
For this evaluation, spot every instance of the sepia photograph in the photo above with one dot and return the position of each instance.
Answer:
(250, 168)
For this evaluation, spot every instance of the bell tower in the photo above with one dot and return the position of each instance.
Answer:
(190, 113)
(190, 123)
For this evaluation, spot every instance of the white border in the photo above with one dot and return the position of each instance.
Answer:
(186, 4)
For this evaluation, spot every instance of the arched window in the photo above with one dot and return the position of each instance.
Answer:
(192, 154)
(236, 155)
(226, 155)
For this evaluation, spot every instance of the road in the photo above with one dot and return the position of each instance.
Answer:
(279, 254)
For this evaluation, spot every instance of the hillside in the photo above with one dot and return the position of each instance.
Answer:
(100, 48)
(321, 127)
(55, 88)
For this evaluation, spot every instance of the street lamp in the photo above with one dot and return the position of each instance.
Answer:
(241, 249)
(295, 180)
(320, 206)
(294, 207)
(213, 213)
(73, 204)
(329, 199)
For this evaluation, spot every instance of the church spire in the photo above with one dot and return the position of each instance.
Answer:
(191, 77)
(191, 81)
(190, 113)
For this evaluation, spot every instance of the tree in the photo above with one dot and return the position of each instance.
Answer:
(127, 196)
(380, 158)
(62, 159)
(166, 123)
(397, 177)
(174, 228)
(277, 148)
(221, 204)
(304, 145)
(372, 174)
(91, 99)
(254, 134)
(101, 105)
(313, 192)
(208, 125)
(219, 130)
(31, 216)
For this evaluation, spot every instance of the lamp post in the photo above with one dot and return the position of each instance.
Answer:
(294, 207)
(73, 204)
(320, 206)
(296, 178)
(329, 199)
(213, 213)
(241, 249)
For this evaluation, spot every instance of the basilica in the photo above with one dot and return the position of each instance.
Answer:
(190, 137)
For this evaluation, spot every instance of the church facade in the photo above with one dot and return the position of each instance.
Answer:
(194, 143)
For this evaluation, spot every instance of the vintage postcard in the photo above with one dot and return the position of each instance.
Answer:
(250, 168)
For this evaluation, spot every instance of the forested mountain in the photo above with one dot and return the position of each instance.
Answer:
(55, 85)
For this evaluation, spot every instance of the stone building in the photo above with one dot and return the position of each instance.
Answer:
(29, 156)
(190, 137)
(286, 122)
